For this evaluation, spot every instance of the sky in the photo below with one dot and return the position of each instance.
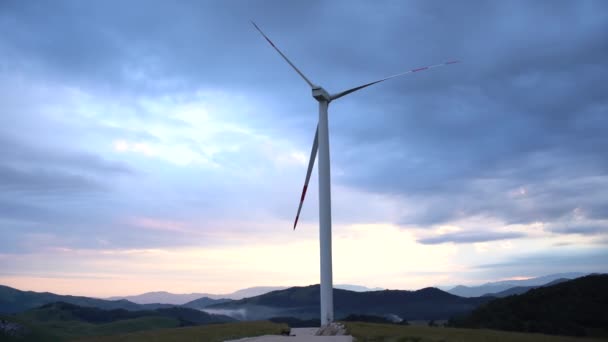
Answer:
(162, 145)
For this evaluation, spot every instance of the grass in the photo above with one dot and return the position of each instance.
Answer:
(159, 329)
(71, 329)
(204, 333)
(59, 330)
(371, 332)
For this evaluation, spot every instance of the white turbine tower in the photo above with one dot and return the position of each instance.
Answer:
(321, 143)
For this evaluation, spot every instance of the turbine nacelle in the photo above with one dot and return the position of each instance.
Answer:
(320, 94)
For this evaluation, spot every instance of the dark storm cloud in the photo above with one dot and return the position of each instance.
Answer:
(201, 44)
(516, 199)
(470, 237)
(525, 110)
(38, 170)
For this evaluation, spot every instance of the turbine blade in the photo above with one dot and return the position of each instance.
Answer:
(352, 90)
(282, 55)
(311, 164)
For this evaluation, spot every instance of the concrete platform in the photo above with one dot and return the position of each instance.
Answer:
(307, 338)
(298, 335)
(303, 331)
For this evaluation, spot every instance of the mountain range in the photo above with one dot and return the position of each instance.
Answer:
(62, 321)
(494, 288)
(299, 302)
(517, 290)
(303, 303)
(180, 299)
(68, 311)
(569, 307)
(13, 300)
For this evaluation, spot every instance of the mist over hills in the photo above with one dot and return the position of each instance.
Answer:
(574, 307)
(263, 301)
(571, 307)
(66, 311)
(492, 288)
(298, 302)
(204, 302)
(303, 303)
(61, 321)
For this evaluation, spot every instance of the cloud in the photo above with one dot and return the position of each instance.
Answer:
(217, 266)
(587, 260)
(16, 151)
(581, 226)
(470, 237)
(518, 117)
(44, 181)
(110, 115)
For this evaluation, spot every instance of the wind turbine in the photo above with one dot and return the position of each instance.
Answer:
(321, 143)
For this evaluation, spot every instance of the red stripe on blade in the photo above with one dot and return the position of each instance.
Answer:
(420, 69)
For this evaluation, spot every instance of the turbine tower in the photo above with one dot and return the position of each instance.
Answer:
(321, 143)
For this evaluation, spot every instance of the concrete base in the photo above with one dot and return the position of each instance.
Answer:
(303, 331)
(275, 338)
(333, 329)
(334, 332)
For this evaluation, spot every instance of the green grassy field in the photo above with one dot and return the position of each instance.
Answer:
(371, 332)
(70, 330)
(65, 330)
(206, 333)
(158, 329)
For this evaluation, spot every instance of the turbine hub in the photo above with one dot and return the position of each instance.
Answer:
(321, 94)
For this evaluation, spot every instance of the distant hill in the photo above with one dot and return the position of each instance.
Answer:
(522, 289)
(60, 311)
(181, 299)
(357, 288)
(252, 292)
(13, 300)
(204, 302)
(499, 286)
(303, 303)
(64, 321)
(574, 307)
(164, 297)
